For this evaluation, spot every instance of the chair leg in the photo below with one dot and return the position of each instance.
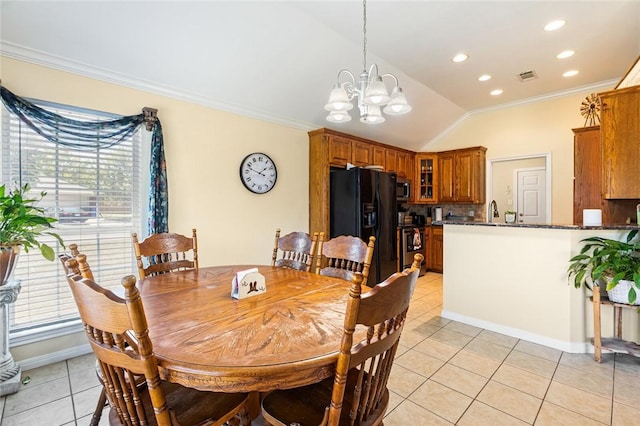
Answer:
(97, 414)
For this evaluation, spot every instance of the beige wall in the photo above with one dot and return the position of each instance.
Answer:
(513, 280)
(203, 148)
(522, 130)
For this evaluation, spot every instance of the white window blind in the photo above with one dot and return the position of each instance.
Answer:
(95, 196)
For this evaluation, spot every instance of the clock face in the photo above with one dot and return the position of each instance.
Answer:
(258, 173)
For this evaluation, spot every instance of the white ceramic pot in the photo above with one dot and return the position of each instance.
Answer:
(620, 293)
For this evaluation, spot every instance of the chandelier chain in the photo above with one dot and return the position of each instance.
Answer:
(364, 31)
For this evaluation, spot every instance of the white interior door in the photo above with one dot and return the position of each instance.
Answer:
(532, 195)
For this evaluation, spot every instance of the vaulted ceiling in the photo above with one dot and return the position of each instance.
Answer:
(277, 60)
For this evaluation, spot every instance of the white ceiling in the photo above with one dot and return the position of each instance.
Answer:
(278, 60)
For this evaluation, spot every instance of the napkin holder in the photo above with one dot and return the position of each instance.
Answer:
(247, 283)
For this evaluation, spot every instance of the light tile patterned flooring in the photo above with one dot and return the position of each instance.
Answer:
(445, 373)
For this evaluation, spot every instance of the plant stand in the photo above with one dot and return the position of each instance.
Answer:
(10, 372)
(615, 344)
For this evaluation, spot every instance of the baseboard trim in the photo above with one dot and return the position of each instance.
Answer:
(571, 347)
(53, 357)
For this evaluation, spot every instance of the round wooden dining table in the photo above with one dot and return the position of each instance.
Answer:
(287, 337)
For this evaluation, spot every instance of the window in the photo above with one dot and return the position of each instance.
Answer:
(96, 196)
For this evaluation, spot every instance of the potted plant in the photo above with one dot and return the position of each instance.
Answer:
(617, 263)
(510, 216)
(22, 223)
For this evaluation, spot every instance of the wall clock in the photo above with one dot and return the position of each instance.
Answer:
(590, 110)
(258, 173)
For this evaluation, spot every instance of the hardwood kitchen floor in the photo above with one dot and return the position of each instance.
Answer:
(445, 373)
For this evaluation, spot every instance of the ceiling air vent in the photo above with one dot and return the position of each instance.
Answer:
(527, 75)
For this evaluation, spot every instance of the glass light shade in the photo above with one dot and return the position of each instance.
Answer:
(376, 93)
(372, 116)
(338, 116)
(338, 100)
(398, 103)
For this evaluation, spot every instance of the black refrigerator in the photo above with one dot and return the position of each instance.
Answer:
(363, 203)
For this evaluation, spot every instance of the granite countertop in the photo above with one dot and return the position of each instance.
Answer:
(531, 225)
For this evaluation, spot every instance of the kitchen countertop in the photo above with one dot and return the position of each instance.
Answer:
(531, 225)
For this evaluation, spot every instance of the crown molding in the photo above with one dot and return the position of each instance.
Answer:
(37, 57)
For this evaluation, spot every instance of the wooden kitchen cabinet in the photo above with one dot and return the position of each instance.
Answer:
(620, 133)
(461, 176)
(426, 178)
(361, 154)
(391, 160)
(339, 151)
(379, 156)
(404, 168)
(435, 255)
(327, 149)
(587, 181)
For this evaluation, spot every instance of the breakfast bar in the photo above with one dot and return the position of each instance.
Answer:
(512, 279)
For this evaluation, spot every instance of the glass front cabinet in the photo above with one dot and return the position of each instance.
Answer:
(426, 182)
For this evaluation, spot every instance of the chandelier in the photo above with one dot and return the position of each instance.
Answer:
(370, 90)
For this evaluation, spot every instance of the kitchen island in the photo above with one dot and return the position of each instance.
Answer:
(512, 279)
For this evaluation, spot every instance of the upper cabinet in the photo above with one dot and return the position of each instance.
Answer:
(339, 151)
(361, 154)
(426, 178)
(404, 163)
(620, 133)
(328, 148)
(461, 176)
(391, 160)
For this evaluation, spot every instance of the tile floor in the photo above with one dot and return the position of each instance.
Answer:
(445, 373)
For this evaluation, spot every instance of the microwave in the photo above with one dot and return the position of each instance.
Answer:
(403, 190)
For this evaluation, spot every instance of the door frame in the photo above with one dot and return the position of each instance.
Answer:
(547, 165)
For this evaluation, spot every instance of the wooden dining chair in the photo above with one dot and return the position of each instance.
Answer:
(165, 252)
(119, 336)
(80, 266)
(357, 394)
(343, 256)
(295, 250)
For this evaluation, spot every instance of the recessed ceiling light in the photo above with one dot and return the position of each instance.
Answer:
(570, 73)
(554, 25)
(484, 77)
(496, 92)
(460, 57)
(565, 54)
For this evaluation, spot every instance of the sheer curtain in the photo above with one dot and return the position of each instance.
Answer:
(87, 135)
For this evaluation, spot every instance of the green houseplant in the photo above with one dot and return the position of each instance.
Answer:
(22, 223)
(612, 261)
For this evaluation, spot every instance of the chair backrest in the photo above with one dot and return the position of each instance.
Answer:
(81, 266)
(118, 334)
(165, 252)
(343, 256)
(295, 250)
(364, 366)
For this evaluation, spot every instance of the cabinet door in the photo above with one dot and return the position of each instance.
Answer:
(391, 160)
(446, 165)
(586, 171)
(339, 151)
(379, 156)
(361, 154)
(437, 246)
(464, 176)
(426, 178)
(620, 127)
(405, 166)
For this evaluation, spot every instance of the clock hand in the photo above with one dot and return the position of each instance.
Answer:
(255, 171)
